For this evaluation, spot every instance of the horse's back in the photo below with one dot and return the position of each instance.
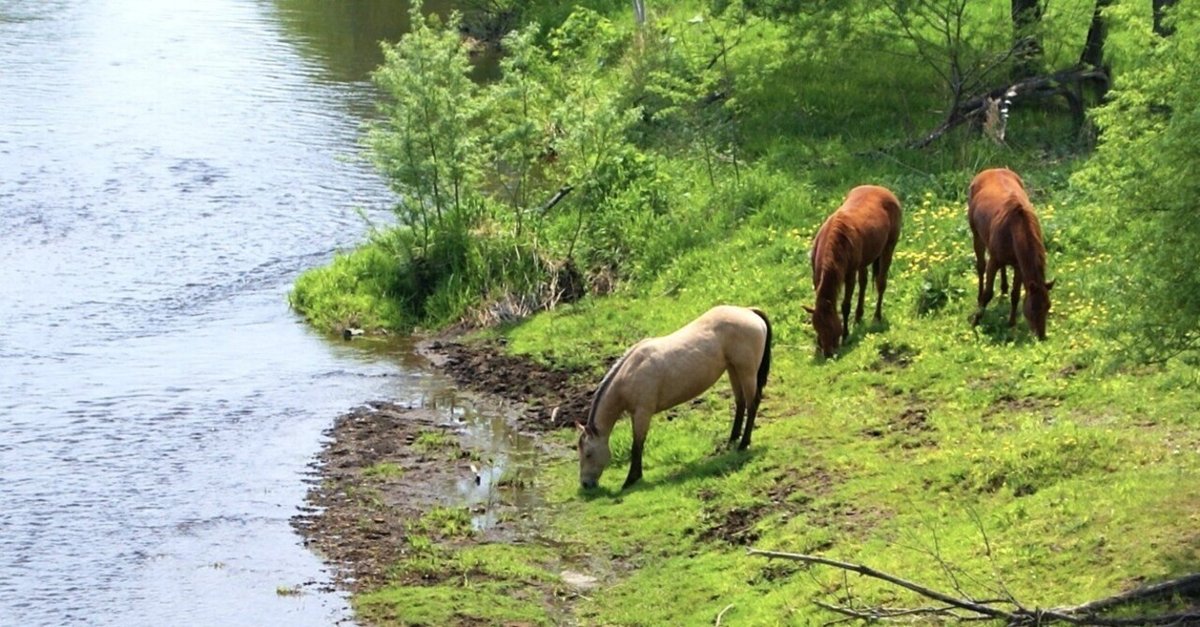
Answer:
(869, 220)
(997, 206)
(874, 204)
(722, 331)
(994, 192)
(677, 367)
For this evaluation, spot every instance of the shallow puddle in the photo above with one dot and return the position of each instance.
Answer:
(502, 461)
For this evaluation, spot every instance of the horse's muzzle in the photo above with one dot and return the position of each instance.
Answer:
(588, 485)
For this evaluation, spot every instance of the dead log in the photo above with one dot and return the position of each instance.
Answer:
(1064, 83)
(1017, 614)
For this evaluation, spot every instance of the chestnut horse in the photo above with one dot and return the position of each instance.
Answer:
(1006, 232)
(862, 233)
(662, 372)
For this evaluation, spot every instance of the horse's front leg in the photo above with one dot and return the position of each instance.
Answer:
(849, 295)
(1016, 296)
(986, 294)
(641, 426)
(862, 293)
(980, 260)
(881, 274)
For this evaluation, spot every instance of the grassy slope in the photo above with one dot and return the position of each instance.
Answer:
(921, 438)
(1078, 478)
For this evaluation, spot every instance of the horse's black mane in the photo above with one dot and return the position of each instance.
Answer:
(603, 387)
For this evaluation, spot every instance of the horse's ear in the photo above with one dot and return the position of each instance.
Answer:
(1050, 285)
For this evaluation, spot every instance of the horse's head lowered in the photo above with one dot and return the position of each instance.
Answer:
(1037, 307)
(593, 456)
(828, 325)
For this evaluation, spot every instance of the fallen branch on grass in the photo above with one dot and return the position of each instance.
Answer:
(559, 195)
(1012, 612)
(1058, 83)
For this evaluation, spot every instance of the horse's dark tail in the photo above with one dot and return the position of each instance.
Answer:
(764, 367)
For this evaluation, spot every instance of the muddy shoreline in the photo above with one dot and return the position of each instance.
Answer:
(386, 465)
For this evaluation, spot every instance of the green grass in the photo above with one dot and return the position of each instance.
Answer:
(359, 289)
(384, 470)
(431, 441)
(442, 584)
(481, 603)
(922, 436)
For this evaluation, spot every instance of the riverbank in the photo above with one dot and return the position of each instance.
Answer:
(704, 155)
(1064, 492)
(420, 520)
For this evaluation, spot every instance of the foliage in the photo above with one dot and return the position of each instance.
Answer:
(937, 290)
(366, 288)
(961, 47)
(425, 143)
(1142, 186)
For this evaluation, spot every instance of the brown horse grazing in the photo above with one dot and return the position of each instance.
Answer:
(1007, 233)
(661, 372)
(862, 233)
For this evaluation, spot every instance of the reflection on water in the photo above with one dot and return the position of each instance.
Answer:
(166, 171)
(345, 35)
(505, 463)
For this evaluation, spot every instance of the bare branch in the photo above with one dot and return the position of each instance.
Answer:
(888, 613)
(1037, 85)
(1086, 614)
(987, 546)
(559, 195)
(903, 583)
(722, 614)
(1189, 584)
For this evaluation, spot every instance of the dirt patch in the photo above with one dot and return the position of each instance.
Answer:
(895, 356)
(385, 469)
(791, 494)
(399, 492)
(371, 484)
(909, 429)
(1007, 403)
(541, 390)
(735, 525)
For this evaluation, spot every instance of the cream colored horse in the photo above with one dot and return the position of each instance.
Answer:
(662, 372)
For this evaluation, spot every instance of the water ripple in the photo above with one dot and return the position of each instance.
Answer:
(168, 170)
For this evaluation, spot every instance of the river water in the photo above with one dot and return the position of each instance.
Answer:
(166, 170)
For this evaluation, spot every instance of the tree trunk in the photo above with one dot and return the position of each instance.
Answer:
(1093, 48)
(1160, 9)
(1027, 42)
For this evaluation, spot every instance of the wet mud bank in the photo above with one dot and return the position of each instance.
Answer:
(401, 490)
(548, 397)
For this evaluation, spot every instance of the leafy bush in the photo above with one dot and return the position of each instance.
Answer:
(937, 289)
(1144, 167)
